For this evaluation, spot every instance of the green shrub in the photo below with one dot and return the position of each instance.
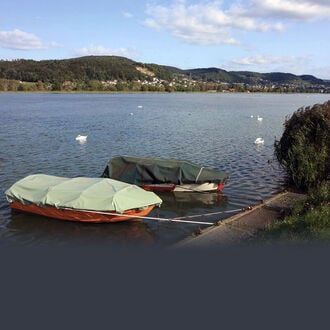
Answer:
(309, 221)
(301, 226)
(303, 149)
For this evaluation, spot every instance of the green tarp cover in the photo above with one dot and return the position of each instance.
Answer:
(97, 194)
(137, 170)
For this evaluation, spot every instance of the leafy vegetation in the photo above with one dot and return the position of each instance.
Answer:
(304, 147)
(309, 221)
(303, 151)
(113, 73)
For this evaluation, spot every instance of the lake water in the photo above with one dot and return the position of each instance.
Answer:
(37, 135)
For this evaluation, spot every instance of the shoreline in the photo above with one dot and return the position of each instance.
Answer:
(237, 228)
(160, 92)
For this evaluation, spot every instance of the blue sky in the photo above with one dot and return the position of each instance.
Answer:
(254, 35)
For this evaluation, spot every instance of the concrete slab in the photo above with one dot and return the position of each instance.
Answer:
(232, 231)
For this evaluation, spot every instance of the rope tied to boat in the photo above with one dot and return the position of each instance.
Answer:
(178, 219)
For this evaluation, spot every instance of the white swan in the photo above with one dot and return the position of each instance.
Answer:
(259, 118)
(81, 138)
(259, 141)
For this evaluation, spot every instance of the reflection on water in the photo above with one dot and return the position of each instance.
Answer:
(182, 204)
(32, 230)
(38, 133)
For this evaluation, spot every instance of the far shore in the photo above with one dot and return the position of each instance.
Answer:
(155, 92)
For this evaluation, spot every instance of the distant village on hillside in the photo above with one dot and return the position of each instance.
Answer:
(118, 74)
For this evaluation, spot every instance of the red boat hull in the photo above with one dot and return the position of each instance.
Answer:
(80, 216)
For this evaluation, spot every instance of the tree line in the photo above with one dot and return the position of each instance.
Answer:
(113, 73)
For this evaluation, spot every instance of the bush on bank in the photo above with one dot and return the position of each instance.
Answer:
(303, 149)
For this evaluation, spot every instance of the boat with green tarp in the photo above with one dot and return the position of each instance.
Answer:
(81, 198)
(160, 174)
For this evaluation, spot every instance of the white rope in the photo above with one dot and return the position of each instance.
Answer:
(146, 218)
(208, 214)
(178, 219)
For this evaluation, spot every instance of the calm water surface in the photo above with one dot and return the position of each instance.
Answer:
(37, 135)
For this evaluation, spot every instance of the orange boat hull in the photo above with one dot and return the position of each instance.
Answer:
(82, 216)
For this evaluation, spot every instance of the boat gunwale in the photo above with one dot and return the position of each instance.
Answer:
(80, 215)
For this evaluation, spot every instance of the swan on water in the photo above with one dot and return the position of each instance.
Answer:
(259, 118)
(259, 141)
(81, 137)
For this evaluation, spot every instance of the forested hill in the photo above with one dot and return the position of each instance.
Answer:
(101, 68)
(119, 73)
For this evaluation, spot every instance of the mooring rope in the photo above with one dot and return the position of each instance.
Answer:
(178, 219)
(144, 217)
(208, 214)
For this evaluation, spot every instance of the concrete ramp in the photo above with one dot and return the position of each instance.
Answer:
(232, 231)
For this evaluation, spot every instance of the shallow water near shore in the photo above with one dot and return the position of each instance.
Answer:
(214, 130)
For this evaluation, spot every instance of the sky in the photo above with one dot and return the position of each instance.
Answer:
(239, 35)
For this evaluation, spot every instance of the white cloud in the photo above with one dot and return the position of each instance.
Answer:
(197, 24)
(20, 40)
(265, 63)
(321, 72)
(291, 9)
(204, 23)
(212, 23)
(101, 50)
(128, 14)
(298, 65)
(265, 60)
(294, 64)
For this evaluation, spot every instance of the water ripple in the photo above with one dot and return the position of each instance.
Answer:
(38, 136)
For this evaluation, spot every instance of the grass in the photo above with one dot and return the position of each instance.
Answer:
(309, 221)
(312, 225)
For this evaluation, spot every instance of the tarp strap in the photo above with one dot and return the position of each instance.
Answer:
(199, 174)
